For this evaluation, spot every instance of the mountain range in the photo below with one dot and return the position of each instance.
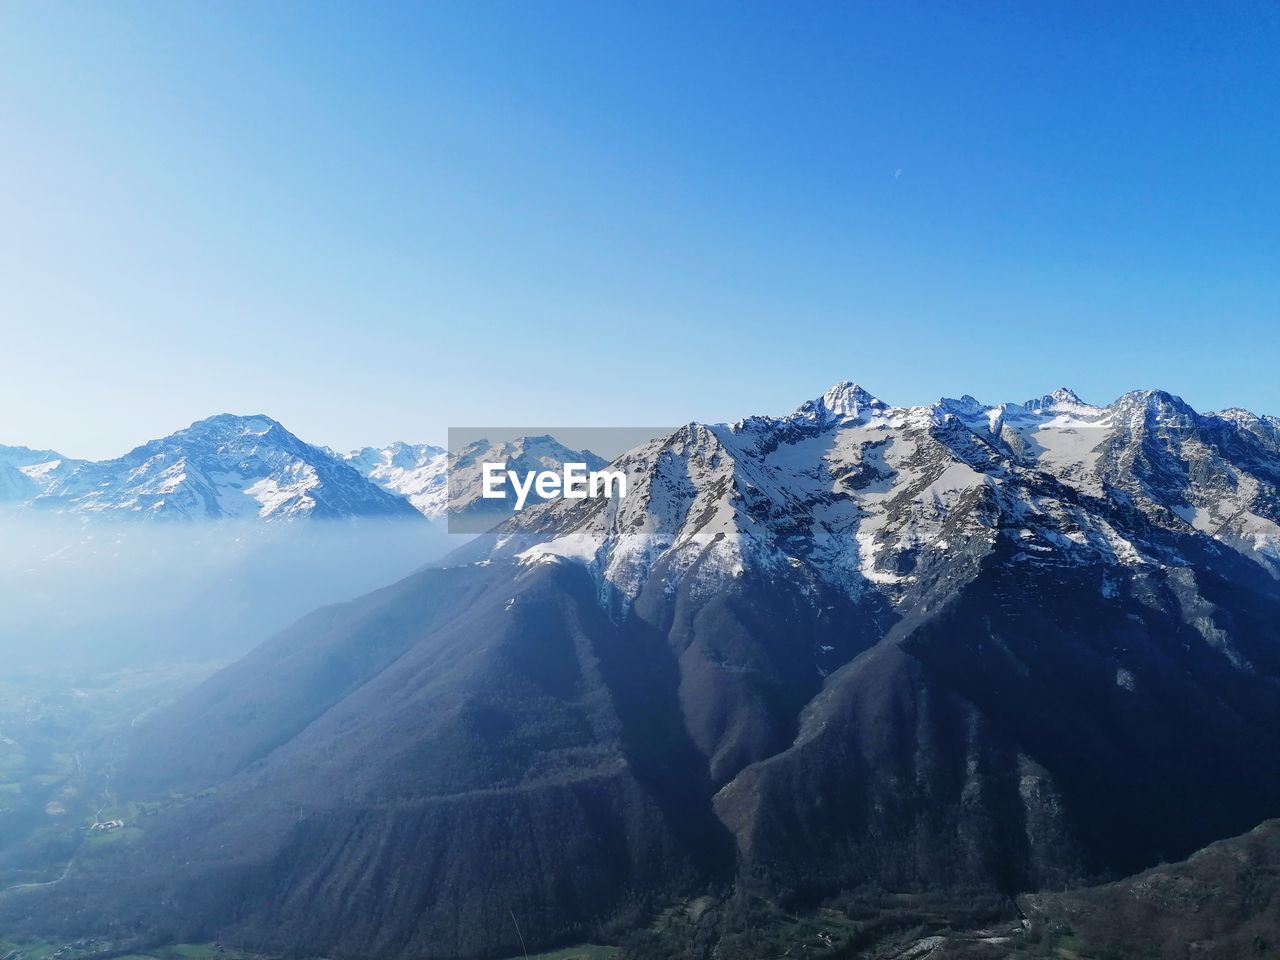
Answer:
(231, 467)
(855, 649)
(225, 467)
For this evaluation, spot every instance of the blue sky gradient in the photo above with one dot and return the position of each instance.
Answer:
(376, 221)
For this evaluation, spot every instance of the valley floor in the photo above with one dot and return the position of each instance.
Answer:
(59, 738)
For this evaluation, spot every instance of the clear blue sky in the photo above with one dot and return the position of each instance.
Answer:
(374, 221)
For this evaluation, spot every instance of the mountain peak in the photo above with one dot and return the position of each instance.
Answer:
(844, 401)
(1156, 404)
(1063, 396)
(19, 457)
(967, 405)
(226, 466)
(244, 425)
(398, 455)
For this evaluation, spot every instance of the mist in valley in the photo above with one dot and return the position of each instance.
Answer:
(103, 622)
(79, 598)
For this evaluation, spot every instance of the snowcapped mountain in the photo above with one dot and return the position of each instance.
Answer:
(233, 467)
(422, 473)
(864, 496)
(224, 467)
(416, 471)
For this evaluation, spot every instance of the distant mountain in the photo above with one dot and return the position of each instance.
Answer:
(186, 548)
(105, 564)
(225, 467)
(422, 473)
(17, 483)
(18, 457)
(857, 648)
(415, 471)
(232, 467)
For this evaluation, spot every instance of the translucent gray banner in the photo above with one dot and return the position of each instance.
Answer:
(496, 472)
